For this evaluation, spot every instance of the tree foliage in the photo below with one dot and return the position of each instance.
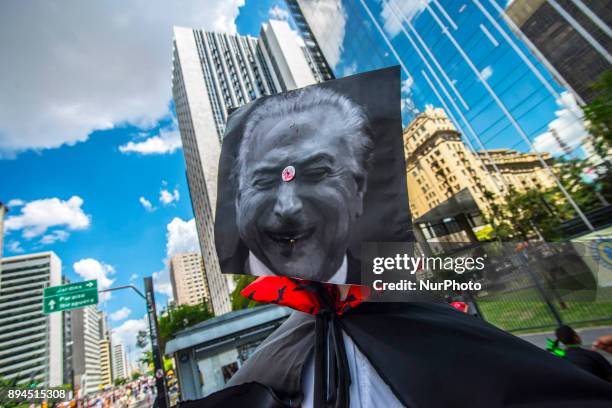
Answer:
(238, 301)
(526, 215)
(147, 359)
(177, 318)
(599, 114)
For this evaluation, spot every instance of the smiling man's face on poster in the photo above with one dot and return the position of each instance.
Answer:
(301, 181)
(300, 174)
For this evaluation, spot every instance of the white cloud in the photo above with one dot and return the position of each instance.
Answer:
(486, 72)
(15, 203)
(181, 236)
(394, 11)
(278, 13)
(54, 236)
(133, 277)
(82, 66)
(349, 69)
(567, 124)
(14, 247)
(90, 268)
(167, 198)
(120, 314)
(407, 101)
(39, 215)
(166, 142)
(126, 334)
(407, 85)
(146, 204)
(331, 20)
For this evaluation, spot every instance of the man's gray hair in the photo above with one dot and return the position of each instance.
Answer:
(351, 115)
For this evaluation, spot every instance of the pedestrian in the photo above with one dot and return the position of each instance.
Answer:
(603, 343)
(588, 360)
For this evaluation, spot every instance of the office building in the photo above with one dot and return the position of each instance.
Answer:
(213, 73)
(31, 343)
(188, 279)
(119, 361)
(572, 37)
(460, 56)
(291, 62)
(86, 349)
(106, 370)
(448, 183)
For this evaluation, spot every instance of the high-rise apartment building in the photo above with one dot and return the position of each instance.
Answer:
(188, 279)
(86, 349)
(31, 343)
(119, 361)
(292, 63)
(212, 73)
(106, 370)
(572, 37)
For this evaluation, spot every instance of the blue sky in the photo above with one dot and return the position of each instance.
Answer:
(90, 192)
(90, 155)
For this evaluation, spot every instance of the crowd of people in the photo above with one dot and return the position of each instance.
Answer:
(121, 396)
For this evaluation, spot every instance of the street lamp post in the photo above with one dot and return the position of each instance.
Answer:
(158, 364)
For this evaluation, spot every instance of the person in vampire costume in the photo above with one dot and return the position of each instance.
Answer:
(301, 178)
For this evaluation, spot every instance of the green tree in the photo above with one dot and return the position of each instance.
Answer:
(526, 215)
(586, 195)
(239, 301)
(177, 318)
(12, 383)
(599, 114)
(147, 359)
(120, 381)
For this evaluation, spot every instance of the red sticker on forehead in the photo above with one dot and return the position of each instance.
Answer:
(288, 173)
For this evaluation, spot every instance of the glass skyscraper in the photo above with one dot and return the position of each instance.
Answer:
(461, 56)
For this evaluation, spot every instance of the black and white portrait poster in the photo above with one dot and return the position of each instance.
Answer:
(307, 176)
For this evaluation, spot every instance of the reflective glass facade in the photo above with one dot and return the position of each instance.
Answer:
(504, 96)
(458, 55)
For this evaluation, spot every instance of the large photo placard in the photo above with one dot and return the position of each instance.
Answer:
(307, 176)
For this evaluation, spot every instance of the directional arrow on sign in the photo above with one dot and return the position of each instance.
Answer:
(71, 296)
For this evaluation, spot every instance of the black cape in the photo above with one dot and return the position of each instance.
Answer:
(430, 355)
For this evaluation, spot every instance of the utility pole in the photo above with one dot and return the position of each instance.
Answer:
(158, 363)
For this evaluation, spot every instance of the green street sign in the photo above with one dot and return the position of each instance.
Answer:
(71, 296)
(71, 287)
